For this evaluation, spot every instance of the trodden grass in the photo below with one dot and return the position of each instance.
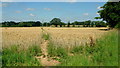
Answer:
(45, 36)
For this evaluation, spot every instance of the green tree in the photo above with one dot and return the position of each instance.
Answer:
(110, 13)
(97, 23)
(63, 24)
(45, 24)
(92, 24)
(73, 24)
(55, 21)
(38, 23)
(60, 24)
(68, 24)
(102, 24)
(9, 24)
(87, 23)
(83, 24)
(76, 23)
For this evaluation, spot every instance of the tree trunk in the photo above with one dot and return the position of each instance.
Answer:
(55, 25)
(60, 25)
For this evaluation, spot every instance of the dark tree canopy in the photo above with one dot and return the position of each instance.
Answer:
(46, 24)
(111, 13)
(21, 24)
(55, 21)
(68, 24)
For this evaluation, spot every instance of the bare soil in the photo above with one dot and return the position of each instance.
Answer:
(44, 59)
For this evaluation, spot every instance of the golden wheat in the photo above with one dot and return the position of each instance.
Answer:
(69, 37)
(74, 36)
(23, 36)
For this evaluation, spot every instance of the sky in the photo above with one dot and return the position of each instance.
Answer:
(56, 0)
(46, 11)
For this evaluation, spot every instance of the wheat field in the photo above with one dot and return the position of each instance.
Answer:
(74, 36)
(48, 40)
(21, 36)
(26, 36)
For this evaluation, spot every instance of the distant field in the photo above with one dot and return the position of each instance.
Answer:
(60, 36)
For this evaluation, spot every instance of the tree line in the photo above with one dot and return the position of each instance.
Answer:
(56, 22)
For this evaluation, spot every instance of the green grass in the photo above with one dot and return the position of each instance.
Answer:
(45, 36)
(0, 58)
(107, 50)
(77, 50)
(14, 56)
(34, 50)
(77, 60)
(104, 53)
(56, 51)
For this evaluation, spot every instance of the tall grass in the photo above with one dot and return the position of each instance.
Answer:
(56, 51)
(0, 58)
(14, 56)
(107, 50)
(103, 53)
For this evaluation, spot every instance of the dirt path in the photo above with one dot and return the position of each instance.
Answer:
(44, 59)
(44, 47)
